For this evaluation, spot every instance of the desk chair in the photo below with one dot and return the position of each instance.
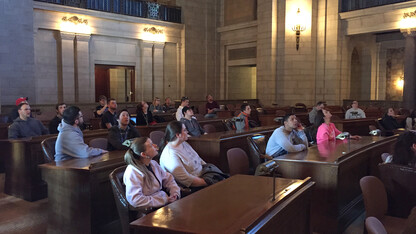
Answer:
(257, 145)
(399, 181)
(99, 143)
(126, 212)
(375, 202)
(48, 147)
(374, 226)
(156, 137)
(209, 128)
(237, 161)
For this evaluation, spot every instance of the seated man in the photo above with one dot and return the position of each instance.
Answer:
(184, 102)
(191, 124)
(211, 107)
(287, 138)
(312, 114)
(99, 110)
(14, 112)
(354, 112)
(245, 112)
(24, 125)
(124, 131)
(168, 106)
(54, 123)
(70, 141)
(109, 117)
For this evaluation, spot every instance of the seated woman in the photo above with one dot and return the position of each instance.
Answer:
(411, 121)
(155, 107)
(389, 121)
(147, 185)
(405, 150)
(183, 162)
(326, 130)
(144, 116)
(124, 131)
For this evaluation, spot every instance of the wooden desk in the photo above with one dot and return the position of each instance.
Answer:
(239, 204)
(337, 168)
(355, 126)
(21, 160)
(80, 198)
(4, 130)
(213, 147)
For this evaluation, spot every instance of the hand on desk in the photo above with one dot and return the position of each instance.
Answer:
(355, 137)
(173, 198)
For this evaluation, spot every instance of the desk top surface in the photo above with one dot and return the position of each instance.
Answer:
(88, 164)
(225, 207)
(332, 151)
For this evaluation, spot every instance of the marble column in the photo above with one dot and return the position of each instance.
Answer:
(158, 71)
(83, 92)
(68, 70)
(146, 50)
(409, 71)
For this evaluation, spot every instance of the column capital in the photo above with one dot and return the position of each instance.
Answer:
(67, 36)
(159, 45)
(83, 37)
(146, 44)
(410, 32)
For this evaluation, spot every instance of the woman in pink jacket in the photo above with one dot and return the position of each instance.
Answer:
(327, 130)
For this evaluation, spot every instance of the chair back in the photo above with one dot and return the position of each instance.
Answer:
(199, 117)
(229, 124)
(230, 107)
(399, 181)
(237, 161)
(126, 212)
(99, 143)
(156, 136)
(48, 147)
(257, 145)
(374, 196)
(209, 128)
(374, 226)
(384, 131)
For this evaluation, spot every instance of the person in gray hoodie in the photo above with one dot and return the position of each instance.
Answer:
(24, 125)
(70, 141)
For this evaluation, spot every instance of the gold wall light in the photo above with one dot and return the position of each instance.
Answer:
(75, 24)
(153, 34)
(298, 26)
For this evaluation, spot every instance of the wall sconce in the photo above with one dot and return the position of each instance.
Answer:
(153, 34)
(75, 24)
(400, 83)
(298, 27)
(408, 22)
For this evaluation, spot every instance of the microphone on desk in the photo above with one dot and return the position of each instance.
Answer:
(376, 132)
(266, 168)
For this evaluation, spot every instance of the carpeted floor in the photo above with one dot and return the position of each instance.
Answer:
(18, 216)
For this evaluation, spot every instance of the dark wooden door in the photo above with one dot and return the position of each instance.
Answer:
(102, 81)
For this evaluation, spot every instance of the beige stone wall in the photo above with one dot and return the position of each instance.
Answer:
(16, 52)
(241, 82)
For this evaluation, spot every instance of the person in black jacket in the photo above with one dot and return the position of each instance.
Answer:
(144, 116)
(124, 131)
(54, 123)
(389, 121)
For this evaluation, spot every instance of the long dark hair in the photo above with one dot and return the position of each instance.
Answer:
(139, 108)
(173, 128)
(403, 152)
(319, 119)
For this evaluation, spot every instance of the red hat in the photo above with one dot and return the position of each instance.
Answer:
(20, 100)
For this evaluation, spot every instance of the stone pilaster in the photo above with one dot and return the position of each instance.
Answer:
(68, 70)
(83, 89)
(146, 79)
(158, 70)
(409, 71)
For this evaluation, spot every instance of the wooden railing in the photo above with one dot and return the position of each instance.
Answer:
(150, 10)
(352, 5)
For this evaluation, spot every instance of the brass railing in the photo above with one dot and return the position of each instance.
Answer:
(352, 5)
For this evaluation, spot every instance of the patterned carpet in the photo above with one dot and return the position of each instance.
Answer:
(18, 216)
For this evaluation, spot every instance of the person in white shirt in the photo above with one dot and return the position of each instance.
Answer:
(179, 158)
(354, 112)
(184, 102)
(147, 185)
(287, 138)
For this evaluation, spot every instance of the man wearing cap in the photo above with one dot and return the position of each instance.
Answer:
(14, 113)
(191, 124)
(24, 125)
